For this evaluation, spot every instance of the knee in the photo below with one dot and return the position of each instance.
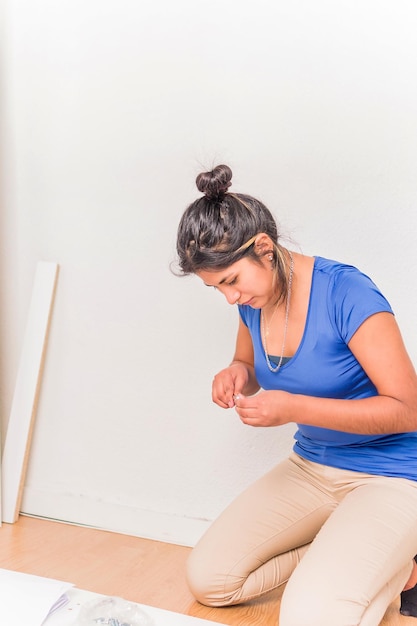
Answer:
(302, 612)
(318, 609)
(206, 582)
(198, 582)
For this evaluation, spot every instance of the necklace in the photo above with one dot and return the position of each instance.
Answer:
(265, 327)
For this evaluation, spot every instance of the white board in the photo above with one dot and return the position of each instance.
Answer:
(25, 397)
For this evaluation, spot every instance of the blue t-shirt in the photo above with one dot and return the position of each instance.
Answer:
(341, 299)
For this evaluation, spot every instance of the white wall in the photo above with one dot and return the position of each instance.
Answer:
(111, 108)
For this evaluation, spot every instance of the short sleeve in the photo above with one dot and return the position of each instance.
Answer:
(353, 297)
(243, 311)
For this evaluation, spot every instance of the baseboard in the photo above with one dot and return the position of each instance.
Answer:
(84, 511)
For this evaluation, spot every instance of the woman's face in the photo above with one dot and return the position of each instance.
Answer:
(244, 282)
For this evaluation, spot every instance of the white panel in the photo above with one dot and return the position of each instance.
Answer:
(26, 392)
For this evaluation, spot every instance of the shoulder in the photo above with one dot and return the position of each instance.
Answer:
(343, 278)
(351, 295)
(329, 267)
(248, 315)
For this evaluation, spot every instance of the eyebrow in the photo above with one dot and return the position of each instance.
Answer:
(223, 280)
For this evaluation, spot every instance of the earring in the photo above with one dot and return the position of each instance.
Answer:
(270, 257)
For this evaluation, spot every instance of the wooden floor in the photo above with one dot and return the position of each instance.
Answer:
(140, 570)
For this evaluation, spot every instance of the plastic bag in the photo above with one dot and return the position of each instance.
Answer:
(112, 611)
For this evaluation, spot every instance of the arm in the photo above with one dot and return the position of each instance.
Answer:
(239, 377)
(379, 348)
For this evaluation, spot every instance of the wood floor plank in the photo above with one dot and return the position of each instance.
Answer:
(140, 570)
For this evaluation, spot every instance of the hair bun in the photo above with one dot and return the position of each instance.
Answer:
(215, 184)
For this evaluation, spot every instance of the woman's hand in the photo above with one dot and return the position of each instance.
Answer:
(267, 408)
(228, 383)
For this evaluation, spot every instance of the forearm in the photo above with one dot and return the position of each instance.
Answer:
(373, 416)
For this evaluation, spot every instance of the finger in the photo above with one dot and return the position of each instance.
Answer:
(222, 395)
(248, 420)
(237, 398)
(245, 402)
(221, 401)
(227, 396)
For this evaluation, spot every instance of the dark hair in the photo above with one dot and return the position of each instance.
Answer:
(219, 229)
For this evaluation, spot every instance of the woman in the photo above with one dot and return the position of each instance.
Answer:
(318, 346)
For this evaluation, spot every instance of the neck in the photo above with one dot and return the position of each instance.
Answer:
(279, 298)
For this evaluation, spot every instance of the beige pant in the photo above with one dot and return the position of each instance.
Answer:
(346, 539)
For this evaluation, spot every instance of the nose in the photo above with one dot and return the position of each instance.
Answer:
(232, 296)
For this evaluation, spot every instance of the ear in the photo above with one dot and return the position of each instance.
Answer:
(263, 244)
